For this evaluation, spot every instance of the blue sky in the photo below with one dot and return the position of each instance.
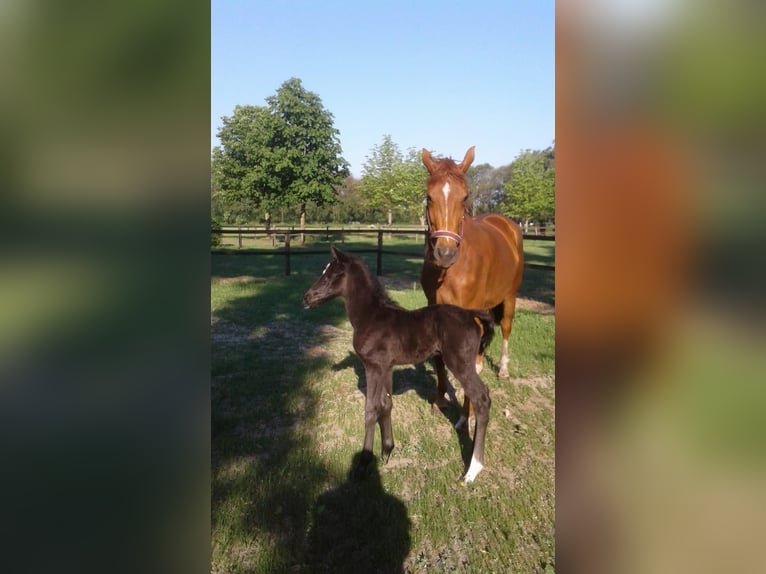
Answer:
(441, 75)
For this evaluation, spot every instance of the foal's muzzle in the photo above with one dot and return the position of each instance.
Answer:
(309, 300)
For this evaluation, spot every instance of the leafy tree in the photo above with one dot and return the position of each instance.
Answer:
(393, 182)
(530, 191)
(281, 155)
(350, 205)
(482, 181)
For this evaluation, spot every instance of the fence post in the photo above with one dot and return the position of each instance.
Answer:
(379, 270)
(239, 236)
(287, 253)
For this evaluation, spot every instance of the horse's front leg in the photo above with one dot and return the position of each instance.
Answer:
(506, 324)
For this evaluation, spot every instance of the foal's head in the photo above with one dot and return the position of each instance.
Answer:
(446, 207)
(332, 283)
(348, 277)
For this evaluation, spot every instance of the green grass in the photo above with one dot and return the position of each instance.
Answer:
(287, 421)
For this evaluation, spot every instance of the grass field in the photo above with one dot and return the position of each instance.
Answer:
(287, 422)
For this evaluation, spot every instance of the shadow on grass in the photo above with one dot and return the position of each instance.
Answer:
(412, 378)
(266, 473)
(538, 285)
(423, 382)
(358, 527)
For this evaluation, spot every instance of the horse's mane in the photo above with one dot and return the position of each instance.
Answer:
(374, 286)
(446, 168)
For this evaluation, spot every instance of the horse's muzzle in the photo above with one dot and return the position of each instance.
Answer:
(445, 256)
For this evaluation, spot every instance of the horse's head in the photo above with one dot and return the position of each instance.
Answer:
(446, 208)
(332, 282)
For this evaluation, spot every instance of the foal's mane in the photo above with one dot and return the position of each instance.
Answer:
(367, 281)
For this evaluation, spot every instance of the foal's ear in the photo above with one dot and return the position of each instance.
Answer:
(337, 254)
(467, 160)
(428, 161)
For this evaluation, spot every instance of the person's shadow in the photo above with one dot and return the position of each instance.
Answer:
(357, 527)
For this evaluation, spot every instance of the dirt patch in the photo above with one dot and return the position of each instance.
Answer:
(535, 306)
(239, 279)
(536, 383)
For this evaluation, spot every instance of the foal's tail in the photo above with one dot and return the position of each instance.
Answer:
(486, 323)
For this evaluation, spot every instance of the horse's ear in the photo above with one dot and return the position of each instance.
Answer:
(428, 161)
(467, 160)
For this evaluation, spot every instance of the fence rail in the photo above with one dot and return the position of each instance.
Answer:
(286, 234)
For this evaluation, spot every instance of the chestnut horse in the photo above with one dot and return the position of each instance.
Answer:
(471, 262)
(385, 335)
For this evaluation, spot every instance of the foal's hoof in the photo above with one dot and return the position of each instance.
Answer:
(438, 405)
(503, 374)
(361, 465)
(473, 471)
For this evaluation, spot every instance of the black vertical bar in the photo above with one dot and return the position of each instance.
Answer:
(379, 270)
(287, 253)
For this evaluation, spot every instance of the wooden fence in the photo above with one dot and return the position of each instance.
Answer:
(284, 236)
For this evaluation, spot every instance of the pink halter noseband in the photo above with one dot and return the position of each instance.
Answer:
(456, 237)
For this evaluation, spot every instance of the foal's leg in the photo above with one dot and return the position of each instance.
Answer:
(441, 383)
(385, 405)
(371, 409)
(478, 393)
(377, 409)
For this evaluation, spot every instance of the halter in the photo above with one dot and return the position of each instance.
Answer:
(456, 237)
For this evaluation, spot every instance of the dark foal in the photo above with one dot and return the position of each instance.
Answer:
(385, 335)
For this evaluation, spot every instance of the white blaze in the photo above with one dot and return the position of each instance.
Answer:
(445, 191)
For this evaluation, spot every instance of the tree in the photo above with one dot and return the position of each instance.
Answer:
(392, 182)
(530, 191)
(482, 181)
(281, 155)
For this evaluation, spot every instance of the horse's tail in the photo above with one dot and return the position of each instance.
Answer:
(486, 323)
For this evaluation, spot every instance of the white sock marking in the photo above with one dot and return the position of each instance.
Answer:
(473, 470)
